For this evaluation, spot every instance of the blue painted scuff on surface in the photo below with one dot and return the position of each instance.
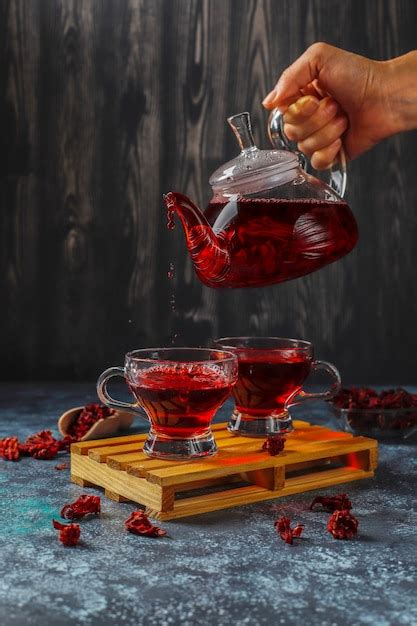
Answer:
(226, 567)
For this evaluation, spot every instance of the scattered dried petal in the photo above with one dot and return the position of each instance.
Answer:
(24, 449)
(69, 534)
(44, 453)
(44, 437)
(274, 444)
(139, 524)
(283, 528)
(343, 525)
(84, 505)
(9, 448)
(65, 443)
(41, 446)
(62, 466)
(340, 502)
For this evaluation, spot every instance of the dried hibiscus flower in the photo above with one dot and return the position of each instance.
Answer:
(283, 528)
(274, 445)
(84, 420)
(343, 525)
(139, 524)
(9, 448)
(41, 445)
(65, 443)
(365, 398)
(84, 505)
(340, 502)
(43, 437)
(69, 534)
(45, 453)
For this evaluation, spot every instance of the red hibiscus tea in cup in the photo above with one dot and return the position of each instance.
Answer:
(267, 381)
(178, 401)
(272, 372)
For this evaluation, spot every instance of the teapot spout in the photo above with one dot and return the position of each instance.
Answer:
(209, 252)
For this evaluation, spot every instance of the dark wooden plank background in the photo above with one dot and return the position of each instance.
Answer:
(106, 104)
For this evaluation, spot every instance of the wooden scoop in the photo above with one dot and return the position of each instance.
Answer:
(103, 428)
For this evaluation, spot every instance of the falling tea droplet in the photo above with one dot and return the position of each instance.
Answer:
(170, 272)
(170, 219)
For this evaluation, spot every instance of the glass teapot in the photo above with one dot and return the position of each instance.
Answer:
(269, 220)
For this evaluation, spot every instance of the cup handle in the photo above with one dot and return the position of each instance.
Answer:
(322, 395)
(106, 398)
(278, 138)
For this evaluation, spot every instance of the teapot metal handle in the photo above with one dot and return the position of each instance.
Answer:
(278, 138)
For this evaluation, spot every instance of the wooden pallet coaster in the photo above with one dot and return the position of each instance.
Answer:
(238, 474)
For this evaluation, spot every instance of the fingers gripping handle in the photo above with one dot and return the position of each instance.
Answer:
(107, 399)
(278, 138)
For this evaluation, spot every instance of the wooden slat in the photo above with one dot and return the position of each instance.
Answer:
(139, 464)
(316, 433)
(127, 459)
(129, 487)
(141, 467)
(223, 464)
(220, 430)
(227, 462)
(111, 495)
(100, 454)
(246, 495)
(83, 447)
(122, 461)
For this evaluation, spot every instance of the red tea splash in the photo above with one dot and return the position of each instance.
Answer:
(171, 271)
(170, 219)
(181, 400)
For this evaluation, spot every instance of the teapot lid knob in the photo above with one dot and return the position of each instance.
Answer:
(253, 169)
(242, 128)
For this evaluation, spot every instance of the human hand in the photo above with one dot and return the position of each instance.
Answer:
(328, 95)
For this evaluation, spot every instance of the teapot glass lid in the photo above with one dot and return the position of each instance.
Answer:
(251, 164)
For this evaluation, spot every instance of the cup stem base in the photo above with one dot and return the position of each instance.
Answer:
(248, 426)
(159, 447)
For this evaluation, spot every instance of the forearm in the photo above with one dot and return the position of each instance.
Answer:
(399, 86)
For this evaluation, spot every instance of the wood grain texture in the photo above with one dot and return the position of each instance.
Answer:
(107, 104)
(326, 458)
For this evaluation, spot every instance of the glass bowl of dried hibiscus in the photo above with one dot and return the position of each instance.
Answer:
(389, 415)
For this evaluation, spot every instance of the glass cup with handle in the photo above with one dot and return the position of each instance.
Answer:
(179, 391)
(272, 371)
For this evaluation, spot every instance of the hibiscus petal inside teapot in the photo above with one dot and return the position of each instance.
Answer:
(269, 221)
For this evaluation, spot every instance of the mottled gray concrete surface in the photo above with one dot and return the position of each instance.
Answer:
(227, 567)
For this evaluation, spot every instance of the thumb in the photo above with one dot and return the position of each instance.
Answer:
(297, 76)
